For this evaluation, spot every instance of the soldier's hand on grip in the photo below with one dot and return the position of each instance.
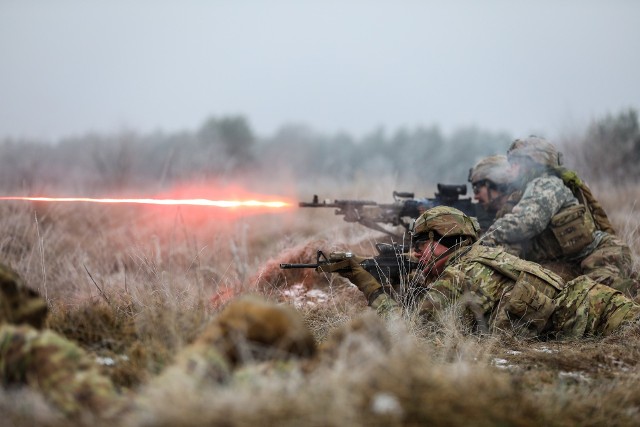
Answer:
(360, 277)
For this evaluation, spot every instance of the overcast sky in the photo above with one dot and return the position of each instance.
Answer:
(72, 66)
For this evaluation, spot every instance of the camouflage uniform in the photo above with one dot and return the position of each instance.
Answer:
(57, 368)
(44, 360)
(248, 328)
(548, 208)
(484, 279)
(499, 290)
(587, 308)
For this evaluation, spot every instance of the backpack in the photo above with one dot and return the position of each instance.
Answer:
(585, 196)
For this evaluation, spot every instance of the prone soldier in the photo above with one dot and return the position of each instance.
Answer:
(70, 380)
(45, 361)
(498, 290)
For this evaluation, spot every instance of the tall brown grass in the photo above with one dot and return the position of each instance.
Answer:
(133, 288)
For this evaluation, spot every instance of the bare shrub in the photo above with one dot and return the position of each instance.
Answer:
(609, 149)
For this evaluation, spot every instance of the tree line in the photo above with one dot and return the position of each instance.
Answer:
(227, 149)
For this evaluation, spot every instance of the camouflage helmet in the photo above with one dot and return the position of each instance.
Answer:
(446, 222)
(18, 303)
(492, 168)
(538, 150)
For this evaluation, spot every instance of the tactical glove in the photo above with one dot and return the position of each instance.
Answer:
(360, 277)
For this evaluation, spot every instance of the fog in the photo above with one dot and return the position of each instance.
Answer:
(71, 66)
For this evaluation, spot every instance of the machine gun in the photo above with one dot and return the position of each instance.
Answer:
(404, 209)
(389, 267)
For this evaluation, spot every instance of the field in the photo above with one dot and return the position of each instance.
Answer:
(133, 286)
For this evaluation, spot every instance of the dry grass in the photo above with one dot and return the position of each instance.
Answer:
(623, 207)
(135, 287)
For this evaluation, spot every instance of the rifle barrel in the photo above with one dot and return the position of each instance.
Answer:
(340, 204)
(287, 266)
(318, 205)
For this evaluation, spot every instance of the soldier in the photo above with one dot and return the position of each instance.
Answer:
(44, 360)
(249, 328)
(555, 218)
(490, 179)
(497, 289)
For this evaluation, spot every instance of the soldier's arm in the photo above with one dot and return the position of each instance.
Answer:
(542, 199)
(442, 293)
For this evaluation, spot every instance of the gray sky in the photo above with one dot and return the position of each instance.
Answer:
(72, 66)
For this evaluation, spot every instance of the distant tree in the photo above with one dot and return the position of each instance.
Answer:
(611, 147)
(415, 158)
(469, 144)
(23, 165)
(113, 159)
(231, 134)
